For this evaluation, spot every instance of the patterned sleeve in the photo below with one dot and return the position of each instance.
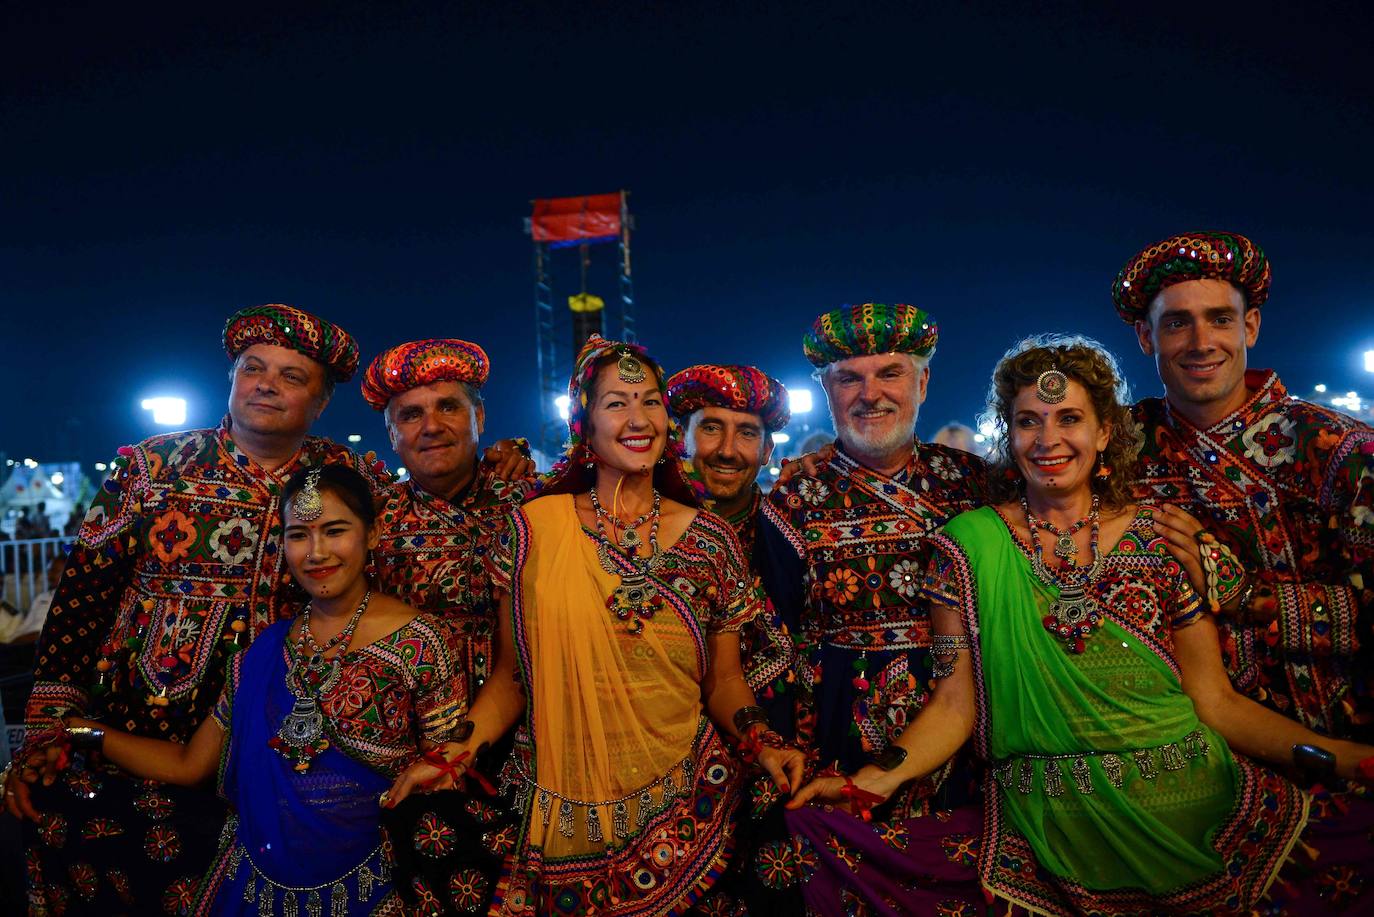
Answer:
(739, 594)
(86, 602)
(942, 582)
(1316, 616)
(1185, 606)
(440, 696)
(498, 550)
(223, 711)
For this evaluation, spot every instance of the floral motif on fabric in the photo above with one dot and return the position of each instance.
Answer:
(97, 828)
(425, 899)
(846, 854)
(501, 842)
(52, 828)
(84, 784)
(482, 811)
(233, 540)
(776, 864)
(960, 849)
(181, 541)
(433, 836)
(1288, 486)
(467, 889)
(154, 805)
(162, 844)
(179, 896)
(119, 881)
(894, 834)
(1339, 885)
(84, 880)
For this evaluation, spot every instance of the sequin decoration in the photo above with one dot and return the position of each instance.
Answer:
(736, 388)
(425, 362)
(287, 326)
(861, 330)
(1191, 256)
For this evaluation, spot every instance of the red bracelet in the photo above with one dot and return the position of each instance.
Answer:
(861, 802)
(450, 768)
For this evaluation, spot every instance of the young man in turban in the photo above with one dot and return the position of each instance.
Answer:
(730, 414)
(175, 568)
(1244, 472)
(847, 552)
(436, 528)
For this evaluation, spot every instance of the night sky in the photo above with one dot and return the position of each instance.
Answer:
(162, 167)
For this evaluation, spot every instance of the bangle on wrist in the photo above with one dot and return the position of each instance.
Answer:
(746, 718)
(890, 758)
(1315, 762)
(86, 737)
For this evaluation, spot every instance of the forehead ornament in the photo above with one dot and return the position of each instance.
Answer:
(307, 505)
(1052, 386)
(629, 368)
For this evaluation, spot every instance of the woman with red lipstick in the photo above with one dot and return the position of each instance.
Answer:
(1077, 654)
(317, 719)
(619, 658)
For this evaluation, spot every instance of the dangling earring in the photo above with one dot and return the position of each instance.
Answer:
(662, 459)
(370, 568)
(1103, 471)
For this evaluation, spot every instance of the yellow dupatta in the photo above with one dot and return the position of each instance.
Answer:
(612, 713)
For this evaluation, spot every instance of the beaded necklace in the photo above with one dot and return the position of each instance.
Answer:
(1064, 547)
(636, 599)
(301, 738)
(1075, 614)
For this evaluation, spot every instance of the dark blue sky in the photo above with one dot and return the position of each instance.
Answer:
(163, 166)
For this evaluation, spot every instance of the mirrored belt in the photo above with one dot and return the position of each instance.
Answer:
(1019, 771)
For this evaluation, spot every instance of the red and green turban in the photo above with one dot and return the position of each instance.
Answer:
(406, 366)
(1225, 256)
(286, 326)
(737, 388)
(858, 331)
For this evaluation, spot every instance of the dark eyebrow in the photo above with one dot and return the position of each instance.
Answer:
(324, 525)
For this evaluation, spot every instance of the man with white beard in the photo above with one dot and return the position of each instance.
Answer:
(845, 555)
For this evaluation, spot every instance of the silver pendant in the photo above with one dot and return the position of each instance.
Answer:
(1065, 546)
(1073, 606)
(303, 725)
(629, 540)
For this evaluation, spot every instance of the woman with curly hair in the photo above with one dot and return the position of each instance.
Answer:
(1076, 652)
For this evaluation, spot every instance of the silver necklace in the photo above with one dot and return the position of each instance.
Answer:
(311, 676)
(636, 599)
(1075, 614)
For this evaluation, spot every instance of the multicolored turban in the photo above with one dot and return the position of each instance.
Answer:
(737, 388)
(286, 326)
(571, 473)
(857, 331)
(1191, 256)
(405, 366)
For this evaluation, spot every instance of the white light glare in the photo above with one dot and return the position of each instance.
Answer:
(101, 466)
(169, 412)
(355, 437)
(562, 403)
(979, 438)
(30, 463)
(1321, 387)
(57, 478)
(781, 439)
(401, 473)
(987, 429)
(775, 471)
(799, 400)
(1369, 361)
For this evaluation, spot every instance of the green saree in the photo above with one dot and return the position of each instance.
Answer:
(1109, 794)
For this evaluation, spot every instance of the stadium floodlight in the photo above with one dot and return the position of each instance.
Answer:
(355, 437)
(167, 412)
(563, 403)
(800, 400)
(780, 439)
(1369, 361)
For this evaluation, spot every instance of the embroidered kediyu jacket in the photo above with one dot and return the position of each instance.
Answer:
(1289, 486)
(843, 554)
(177, 565)
(431, 558)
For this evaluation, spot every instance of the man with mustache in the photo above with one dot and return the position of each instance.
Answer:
(730, 414)
(435, 531)
(846, 555)
(1286, 488)
(176, 567)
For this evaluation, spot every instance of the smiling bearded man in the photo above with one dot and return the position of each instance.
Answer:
(845, 551)
(1287, 487)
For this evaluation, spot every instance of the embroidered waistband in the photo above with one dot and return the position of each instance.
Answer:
(1172, 756)
(885, 635)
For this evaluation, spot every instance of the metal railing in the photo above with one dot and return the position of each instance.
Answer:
(24, 565)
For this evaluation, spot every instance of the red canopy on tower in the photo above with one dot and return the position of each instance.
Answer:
(575, 220)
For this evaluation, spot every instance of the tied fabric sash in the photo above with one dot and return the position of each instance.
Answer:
(280, 812)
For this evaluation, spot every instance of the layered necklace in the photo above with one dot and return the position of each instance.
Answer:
(301, 738)
(636, 599)
(1075, 614)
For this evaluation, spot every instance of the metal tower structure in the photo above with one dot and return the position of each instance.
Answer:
(575, 223)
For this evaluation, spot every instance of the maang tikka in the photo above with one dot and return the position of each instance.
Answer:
(1052, 386)
(629, 368)
(307, 506)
